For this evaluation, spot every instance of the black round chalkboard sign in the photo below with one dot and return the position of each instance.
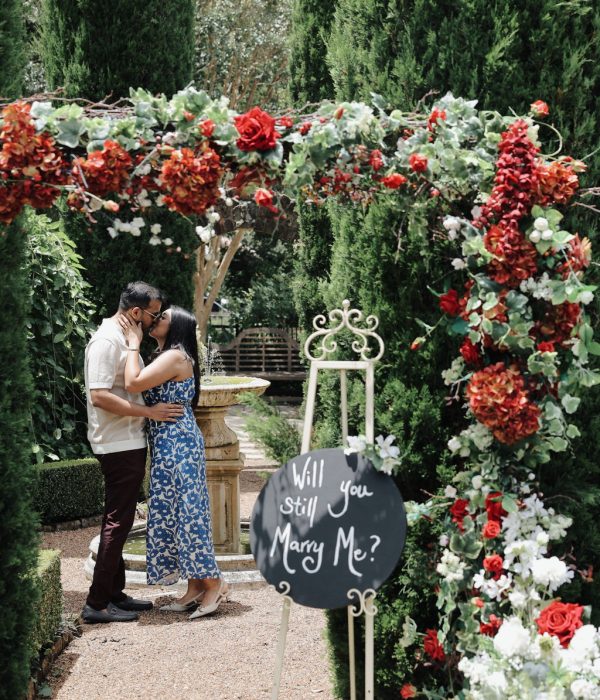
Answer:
(326, 523)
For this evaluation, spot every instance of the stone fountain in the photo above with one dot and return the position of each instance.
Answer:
(223, 466)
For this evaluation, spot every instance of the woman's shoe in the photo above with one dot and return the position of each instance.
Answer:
(183, 607)
(223, 594)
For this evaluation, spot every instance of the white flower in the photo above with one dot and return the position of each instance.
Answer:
(229, 201)
(512, 638)
(154, 240)
(451, 568)
(386, 449)
(450, 491)
(168, 241)
(443, 541)
(454, 444)
(213, 217)
(155, 229)
(205, 233)
(586, 689)
(477, 482)
(112, 232)
(356, 443)
(476, 212)
(409, 632)
(387, 466)
(535, 236)
(550, 572)
(138, 222)
(518, 599)
(160, 200)
(459, 264)
(451, 223)
(586, 297)
(547, 235)
(540, 223)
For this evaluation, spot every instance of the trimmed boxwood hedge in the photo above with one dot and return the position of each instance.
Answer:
(50, 607)
(68, 490)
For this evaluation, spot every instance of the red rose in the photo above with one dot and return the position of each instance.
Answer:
(458, 511)
(264, 198)
(408, 691)
(434, 116)
(376, 160)
(545, 346)
(539, 109)
(494, 565)
(560, 620)
(491, 529)
(449, 303)
(285, 122)
(257, 131)
(207, 128)
(417, 162)
(493, 506)
(305, 128)
(491, 627)
(393, 181)
(432, 646)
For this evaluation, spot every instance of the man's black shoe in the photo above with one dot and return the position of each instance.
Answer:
(111, 614)
(134, 604)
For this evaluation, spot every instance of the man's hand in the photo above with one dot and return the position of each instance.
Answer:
(169, 412)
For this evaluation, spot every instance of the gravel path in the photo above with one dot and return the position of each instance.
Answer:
(228, 656)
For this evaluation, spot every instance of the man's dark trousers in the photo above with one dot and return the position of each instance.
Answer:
(123, 476)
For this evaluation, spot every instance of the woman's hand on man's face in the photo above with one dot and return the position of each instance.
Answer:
(132, 331)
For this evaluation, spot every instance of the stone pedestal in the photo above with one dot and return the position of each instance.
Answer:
(223, 460)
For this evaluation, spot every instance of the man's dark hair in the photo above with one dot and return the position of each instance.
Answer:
(141, 294)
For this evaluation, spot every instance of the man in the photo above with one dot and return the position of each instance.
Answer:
(116, 431)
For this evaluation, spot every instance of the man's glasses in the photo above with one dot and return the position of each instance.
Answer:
(155, 317)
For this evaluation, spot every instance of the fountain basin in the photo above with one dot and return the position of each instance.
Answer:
(238, 569)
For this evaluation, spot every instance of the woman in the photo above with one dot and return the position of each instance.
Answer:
(179, 536)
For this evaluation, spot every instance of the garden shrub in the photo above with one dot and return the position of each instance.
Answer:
(271, 429)
(58, 330)
(18, 523)
(50, 605)
(12, 48)
(68, 490)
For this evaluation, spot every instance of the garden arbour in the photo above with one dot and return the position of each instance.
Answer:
(476, 185)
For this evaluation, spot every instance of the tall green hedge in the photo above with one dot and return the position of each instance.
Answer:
(12, 48)
(95, 49)
(18, 538)
(310, 81)
(51, 600)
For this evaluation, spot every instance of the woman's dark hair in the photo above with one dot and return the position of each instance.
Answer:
(182, 336)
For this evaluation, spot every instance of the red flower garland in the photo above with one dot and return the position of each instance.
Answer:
(104, 171)
(32, 160)
(432, 646)
(498, 399)
(515, 258)
(516, 178)
(190, 180)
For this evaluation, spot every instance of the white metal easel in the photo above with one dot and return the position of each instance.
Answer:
(341, 320)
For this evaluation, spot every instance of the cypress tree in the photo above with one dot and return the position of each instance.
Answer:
(506, 55)
(96, 48)
(309, 82)
(18, 536)
(12, 48)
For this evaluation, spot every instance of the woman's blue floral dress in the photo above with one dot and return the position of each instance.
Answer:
(179, 536)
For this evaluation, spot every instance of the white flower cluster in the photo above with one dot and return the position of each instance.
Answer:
(522, 664)
(384, 455)
(538, 289)
(451, 568)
